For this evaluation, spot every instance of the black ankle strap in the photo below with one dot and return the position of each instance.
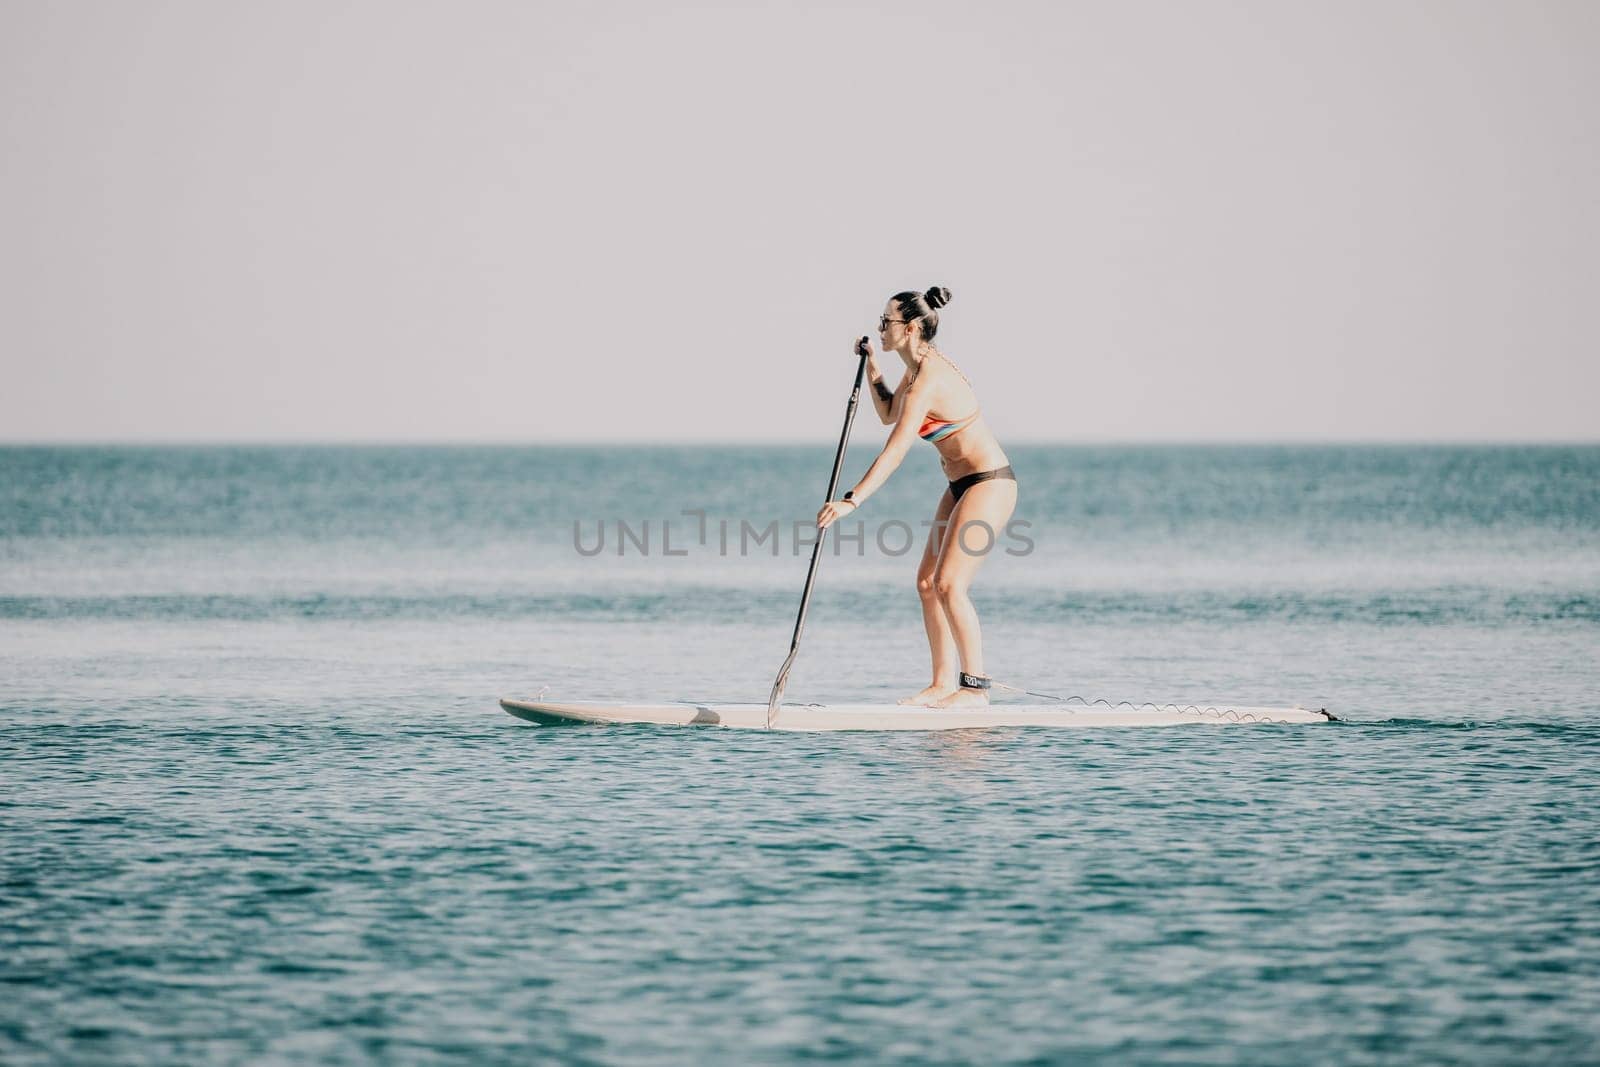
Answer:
(973, 681)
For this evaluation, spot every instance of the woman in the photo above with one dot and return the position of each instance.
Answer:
(983, 489)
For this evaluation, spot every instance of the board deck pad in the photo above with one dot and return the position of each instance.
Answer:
(813, 717)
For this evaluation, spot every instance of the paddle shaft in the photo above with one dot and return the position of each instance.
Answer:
(816, 549)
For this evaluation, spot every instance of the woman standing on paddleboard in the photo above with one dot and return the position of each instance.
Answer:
(982, 491)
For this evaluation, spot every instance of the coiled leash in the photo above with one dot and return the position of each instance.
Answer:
(1209, 711)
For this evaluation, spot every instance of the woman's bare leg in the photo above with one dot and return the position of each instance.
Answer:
(941, 643)
(987, 504)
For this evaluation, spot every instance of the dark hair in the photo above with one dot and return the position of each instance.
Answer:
(923, 306)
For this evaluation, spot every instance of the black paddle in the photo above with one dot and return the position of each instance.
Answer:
(863, 349)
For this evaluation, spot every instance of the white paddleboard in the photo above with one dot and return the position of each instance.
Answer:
(898, 717)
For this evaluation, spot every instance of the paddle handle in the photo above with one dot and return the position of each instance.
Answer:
(816, 549)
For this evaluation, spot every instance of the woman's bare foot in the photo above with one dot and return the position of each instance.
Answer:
(929, 695)
(965, 698)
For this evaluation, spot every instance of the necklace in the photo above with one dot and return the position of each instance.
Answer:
(918, 369)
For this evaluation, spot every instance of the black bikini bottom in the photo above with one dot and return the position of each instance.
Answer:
(967, 481)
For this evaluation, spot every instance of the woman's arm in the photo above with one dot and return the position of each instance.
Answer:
(882, 396)
(913, 409)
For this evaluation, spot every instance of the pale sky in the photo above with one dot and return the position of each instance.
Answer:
(588, 221)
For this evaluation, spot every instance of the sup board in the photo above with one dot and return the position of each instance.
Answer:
(900, 717)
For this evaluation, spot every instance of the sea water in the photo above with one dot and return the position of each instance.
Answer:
(258, 803)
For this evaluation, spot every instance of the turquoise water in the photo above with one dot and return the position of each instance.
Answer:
(260, 805)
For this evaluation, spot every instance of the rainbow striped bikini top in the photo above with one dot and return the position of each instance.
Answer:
(938, 429)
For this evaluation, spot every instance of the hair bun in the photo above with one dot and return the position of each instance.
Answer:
(937, 297)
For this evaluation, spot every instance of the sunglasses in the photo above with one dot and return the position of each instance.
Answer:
(884, 321)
